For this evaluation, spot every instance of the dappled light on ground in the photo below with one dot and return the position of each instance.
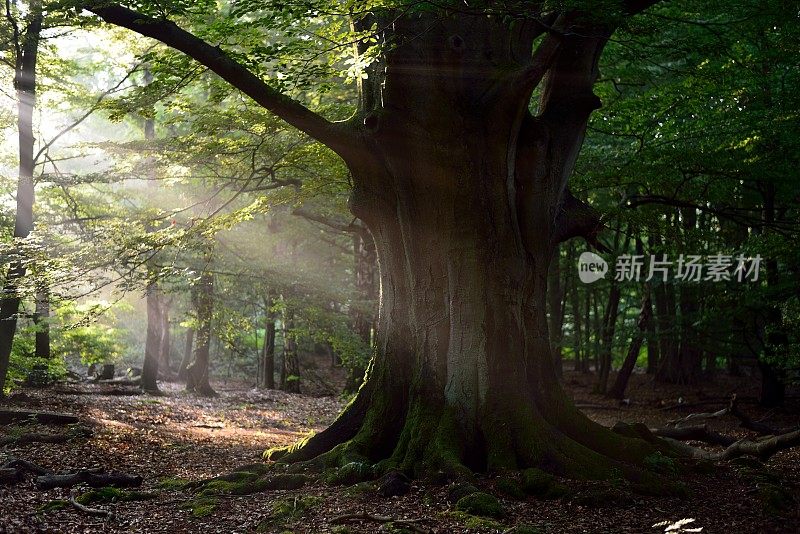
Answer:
(177, 437)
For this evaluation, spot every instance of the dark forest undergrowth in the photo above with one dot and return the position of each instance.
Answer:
(172, 439)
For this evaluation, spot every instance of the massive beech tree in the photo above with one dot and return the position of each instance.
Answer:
(464, 190)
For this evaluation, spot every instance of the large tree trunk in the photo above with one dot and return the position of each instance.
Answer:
(366, 282)
(556, 294)
(463, 192)
(364, 309)
(25, 84)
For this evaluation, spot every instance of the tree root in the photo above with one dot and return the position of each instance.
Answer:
(13, 471)
(117, 392)
(95, 478)
(694, 417)
(410, 524)
(36, 437)
(73, 496)
(732, 409)
(44, 418)
(694, 433)
(763, 449)
(10, 476)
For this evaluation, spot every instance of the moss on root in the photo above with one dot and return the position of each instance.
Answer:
(249, 483)
(109, 494)
(350, 473)
(426, 441)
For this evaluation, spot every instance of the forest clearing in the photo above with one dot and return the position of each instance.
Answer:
(422, 266)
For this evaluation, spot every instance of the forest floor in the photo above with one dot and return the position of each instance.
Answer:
(177, 437)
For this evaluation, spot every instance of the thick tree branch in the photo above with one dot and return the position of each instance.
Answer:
(348, 228)
(694, 433)
(578, 219)
(633, 7)
(337, 136)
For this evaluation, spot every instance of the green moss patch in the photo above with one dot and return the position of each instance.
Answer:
(52, 506)
(349, 474)
(481, 504)
(249, 483)
(201, 506)
(172, 483)
(109, 494)
(475, 522)
(287, 510)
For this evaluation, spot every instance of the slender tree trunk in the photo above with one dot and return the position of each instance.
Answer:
(588, 336)
(607, 342)
(617, 391)
(773, 385)
(290, 372)
(41, 318)
(597, 323)
(575, 308)
(652, 340)
(683, 365)
(165, 343)
(25, 85)
(609, 326)
(197, 380)
(187, 355)
(152, 340)
(267, 379)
